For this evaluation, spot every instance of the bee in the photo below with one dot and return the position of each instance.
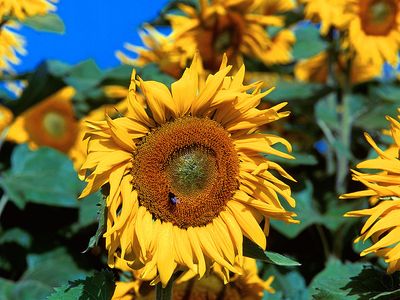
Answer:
(173, 199)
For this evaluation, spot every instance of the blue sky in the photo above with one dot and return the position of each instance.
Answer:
(94, 29)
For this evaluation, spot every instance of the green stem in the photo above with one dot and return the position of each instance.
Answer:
(324, 241)
(164, 293)
(3, 201)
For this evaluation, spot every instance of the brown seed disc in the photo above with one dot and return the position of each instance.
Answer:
(186, 171)
(378, 17)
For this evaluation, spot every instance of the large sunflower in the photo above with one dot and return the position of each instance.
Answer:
(25, 8)
(169, 54)
(246, 286)
(383, 188)
(188, 175)
(11, 45)
(51, 123)
(234, 27)
(374, 30)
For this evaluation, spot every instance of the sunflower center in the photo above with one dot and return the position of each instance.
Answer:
(378, 17)
(191, 170)
(54, 124)
(186, 171)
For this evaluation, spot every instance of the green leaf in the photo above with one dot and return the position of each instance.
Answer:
(100, 286)
(307, 214)
(89, 209)
(152, 72)
(386, 91)
(308, 42)
(84, 76)
(280, 260)
(374, 118)
(326, 111)
(16, 235)
(102, 219)
(49, 23)
(44, 176)
(288, 285)
(252, 250)
(52, 268)
(295, 90)
(332, 282)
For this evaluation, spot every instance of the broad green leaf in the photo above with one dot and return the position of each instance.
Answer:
(88, 209)
(44, 176)
(102, 222)
(49, 23)
(84, 76)
(307, 214)
(30, 290)
(374, 118)
(332, 282)
(308, 42)
(295, 91)
(288, 285)
(326, 111)
(100, 286)
(152, 72)
(52, 268)
(16, 235)
(386, 91)
(252, 250)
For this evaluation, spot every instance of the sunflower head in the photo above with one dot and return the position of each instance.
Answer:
(383, 188)
(188, 175)
(6, 117)
(234, 28)
(11, 47)
(50, 123)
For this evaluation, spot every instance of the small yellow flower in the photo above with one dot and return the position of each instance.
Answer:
(11, 45)
(315, 69)
(6, 116)
(248, 286)
(236, 28)
(50, 123)
(25, 8)
(186, 176)
(330, 13)
(169, 54)
(383, 188)
(374, 30)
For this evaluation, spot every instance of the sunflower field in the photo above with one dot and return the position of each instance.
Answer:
(242, 149)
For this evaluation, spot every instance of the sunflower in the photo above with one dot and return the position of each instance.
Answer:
(329, 13)
(25, 8)
(6, 117)
(246, 286)
(51, 123)
(315, 69)
(234, 27)
(169, 54)
(383, 188)
(186, 178)
(11, 45)
(374, 30)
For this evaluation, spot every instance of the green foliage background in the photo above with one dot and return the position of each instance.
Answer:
(45, 230)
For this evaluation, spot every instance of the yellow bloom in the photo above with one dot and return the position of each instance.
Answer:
(248, 286)
(50, 123)
(330, 13)
(25, 8)
(169, 54)
(234, 27)
(383, 188)
(11, 44)
(374, 30)
(315, 69)
(6, 117)
(186, 176)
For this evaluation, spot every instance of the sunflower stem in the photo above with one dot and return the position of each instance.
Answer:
(164, 293)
